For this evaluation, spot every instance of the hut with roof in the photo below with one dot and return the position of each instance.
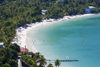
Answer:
(89, 9)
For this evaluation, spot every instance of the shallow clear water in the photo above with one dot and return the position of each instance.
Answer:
(76, 38)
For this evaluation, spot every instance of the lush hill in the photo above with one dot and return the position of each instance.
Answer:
(16, 13)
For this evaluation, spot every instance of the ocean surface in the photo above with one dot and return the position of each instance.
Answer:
(77, 38)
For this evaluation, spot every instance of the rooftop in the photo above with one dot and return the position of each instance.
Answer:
(1, 43)
(44, 10)
(91, 7)
(23, 49)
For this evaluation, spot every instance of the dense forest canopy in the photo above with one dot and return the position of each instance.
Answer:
(15, 13)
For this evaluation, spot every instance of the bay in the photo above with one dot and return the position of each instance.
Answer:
(77, 38)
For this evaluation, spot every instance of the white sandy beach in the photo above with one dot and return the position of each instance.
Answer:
(21, 36)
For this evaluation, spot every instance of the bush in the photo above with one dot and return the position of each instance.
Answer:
(6, 65)
(15, 47)
(13, 63)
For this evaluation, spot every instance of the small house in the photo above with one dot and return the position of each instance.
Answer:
(89, 9)
(2, 45)
(43, 12)
(30, 56)
(22, 49)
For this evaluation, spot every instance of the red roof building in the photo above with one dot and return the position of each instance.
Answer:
(23, 49)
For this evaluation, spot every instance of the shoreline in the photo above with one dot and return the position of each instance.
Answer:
(21, 33)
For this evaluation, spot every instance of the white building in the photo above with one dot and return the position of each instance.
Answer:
(43, 12)
(1, 45)
(89, 9)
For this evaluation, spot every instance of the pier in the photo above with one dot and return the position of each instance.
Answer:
(64, 60)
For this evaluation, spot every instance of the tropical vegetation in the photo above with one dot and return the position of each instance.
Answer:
(16, 13)
(57, 63)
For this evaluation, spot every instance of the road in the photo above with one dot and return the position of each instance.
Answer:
(19, 63)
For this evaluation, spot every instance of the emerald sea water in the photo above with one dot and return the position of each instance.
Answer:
(77, 38)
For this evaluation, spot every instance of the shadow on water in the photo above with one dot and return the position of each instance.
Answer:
(94, 18)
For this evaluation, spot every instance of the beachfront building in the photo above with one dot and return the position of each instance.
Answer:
(2, 45)
(89, 9)
(43, 12)
(22, 49)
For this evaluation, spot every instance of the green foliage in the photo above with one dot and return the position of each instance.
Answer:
(6, 65)
(9, 53)
(15, 13)
(1, 65)
(13, 63)
(50, 65)
(42, 61)
(15, 47)
(29, 53)
(8, 57)
(36, 60)
(57, 63)
(28, 61)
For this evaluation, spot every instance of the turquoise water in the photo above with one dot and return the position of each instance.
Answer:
(76, 38)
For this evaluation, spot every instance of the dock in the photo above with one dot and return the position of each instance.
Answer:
(64, 60)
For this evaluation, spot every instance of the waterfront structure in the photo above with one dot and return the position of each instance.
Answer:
(2, 45)
(89, 9)
(23, 49)
(43, 12)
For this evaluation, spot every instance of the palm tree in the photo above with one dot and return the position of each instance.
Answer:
(50, 65)
(57, 63)
(42, 61)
